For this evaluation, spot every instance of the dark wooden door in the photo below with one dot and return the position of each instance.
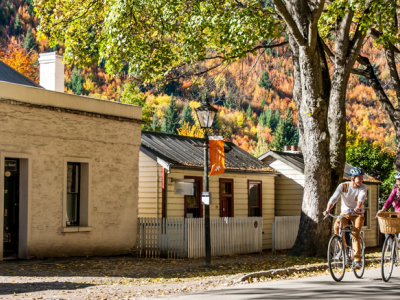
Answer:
(226, 207)
(11, 208)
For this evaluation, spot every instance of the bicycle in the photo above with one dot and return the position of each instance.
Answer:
(389, 224)
(390, 256)
(341, 256)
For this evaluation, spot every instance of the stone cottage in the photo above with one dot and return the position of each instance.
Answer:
(69, 168)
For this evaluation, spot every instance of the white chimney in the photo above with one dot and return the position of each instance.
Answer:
(51, 71)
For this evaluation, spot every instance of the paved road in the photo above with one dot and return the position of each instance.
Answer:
(322, 287)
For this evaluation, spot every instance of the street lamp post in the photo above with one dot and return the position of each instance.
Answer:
(206, 114)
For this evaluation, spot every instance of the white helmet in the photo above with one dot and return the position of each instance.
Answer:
(397, 175)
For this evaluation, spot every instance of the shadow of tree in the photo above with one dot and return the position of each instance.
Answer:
(30, 287)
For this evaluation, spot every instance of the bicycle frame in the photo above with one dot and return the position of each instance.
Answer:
(396, 248)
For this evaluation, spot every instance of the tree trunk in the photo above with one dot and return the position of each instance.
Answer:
(311, 97)
(321, 115)
(337, 125)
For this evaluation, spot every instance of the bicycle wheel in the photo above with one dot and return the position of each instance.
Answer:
(360, 272)
(388, 256)
(336, 258)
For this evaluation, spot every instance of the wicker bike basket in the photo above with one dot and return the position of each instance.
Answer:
(389, 222)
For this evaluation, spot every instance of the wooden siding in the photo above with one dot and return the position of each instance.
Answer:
(149, 187)
(289, 197)
(288, 171)
(148, 195)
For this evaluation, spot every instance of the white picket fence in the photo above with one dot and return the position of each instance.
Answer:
(284, 232)
(228, 236)
(162, 237)
(185, 238)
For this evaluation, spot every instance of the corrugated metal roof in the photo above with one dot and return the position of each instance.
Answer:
(181, 151)
(11, 75)
(296, 161)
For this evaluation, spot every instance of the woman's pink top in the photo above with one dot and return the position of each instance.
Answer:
(393, 198)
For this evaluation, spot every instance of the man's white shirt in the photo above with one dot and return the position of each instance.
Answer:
(350, 196)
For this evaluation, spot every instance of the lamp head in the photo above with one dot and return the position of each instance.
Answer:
(206, 114)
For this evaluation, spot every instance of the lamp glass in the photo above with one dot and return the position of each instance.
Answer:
(206, 114)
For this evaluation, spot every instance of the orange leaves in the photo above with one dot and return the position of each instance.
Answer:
(24, 62)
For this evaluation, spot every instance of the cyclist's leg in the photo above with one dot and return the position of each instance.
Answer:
(345, 222)
(358, 222)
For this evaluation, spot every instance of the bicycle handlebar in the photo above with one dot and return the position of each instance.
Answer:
(350, 212)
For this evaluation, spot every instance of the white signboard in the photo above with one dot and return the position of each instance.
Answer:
(206, 198)
(184, 188)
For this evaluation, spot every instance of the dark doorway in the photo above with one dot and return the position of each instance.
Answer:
(193, 207)
(226, 196)
(11, 208)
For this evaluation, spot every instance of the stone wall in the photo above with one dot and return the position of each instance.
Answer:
(112, 146)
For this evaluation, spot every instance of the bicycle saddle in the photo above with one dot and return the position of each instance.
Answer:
(348, 227)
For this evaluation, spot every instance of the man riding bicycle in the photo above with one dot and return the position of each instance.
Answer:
(353, 194)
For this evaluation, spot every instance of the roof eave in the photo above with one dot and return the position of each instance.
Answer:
(277, 156)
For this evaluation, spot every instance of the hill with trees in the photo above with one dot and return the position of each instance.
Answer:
(253, 95)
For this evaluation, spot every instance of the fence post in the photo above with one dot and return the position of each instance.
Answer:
(273, 237)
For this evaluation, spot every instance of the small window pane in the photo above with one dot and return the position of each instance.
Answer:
(366, 216)
(73, 178)
(254, 212)
(72, 209)
(73, 194)
(366, 201)
(192, 201)
(226, 188)
(254, 195)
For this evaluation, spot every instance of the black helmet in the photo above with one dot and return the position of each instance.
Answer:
(356, 171)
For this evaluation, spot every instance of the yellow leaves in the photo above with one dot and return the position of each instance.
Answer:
(89, 85)
(194, 104)
(193, 131)
(240, 119)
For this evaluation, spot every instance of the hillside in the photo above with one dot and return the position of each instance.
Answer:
(255, 99)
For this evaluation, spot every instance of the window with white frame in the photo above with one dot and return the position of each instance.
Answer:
(367, 213)
(76, 195)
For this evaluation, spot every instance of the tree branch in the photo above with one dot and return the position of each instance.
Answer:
(376, 85)
(313, 28)
(358, 39)
(250, 51)
(393, 70)
(328, 51)
(292, 26)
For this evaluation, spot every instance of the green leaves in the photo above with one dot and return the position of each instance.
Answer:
(155, 36)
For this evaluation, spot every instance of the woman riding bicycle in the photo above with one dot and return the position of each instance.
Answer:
(394, 197)
(353, 194)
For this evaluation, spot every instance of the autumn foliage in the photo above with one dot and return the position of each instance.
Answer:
(234, 88)
(24, 62)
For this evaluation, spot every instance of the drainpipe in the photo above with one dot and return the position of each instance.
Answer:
(166, 192)
(165, 165)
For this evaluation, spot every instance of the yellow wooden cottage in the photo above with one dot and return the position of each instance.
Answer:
(246, 189)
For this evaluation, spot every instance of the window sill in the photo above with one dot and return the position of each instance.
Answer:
(76, 229)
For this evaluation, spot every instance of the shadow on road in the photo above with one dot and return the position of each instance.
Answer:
(324, 289)
(20, 288)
